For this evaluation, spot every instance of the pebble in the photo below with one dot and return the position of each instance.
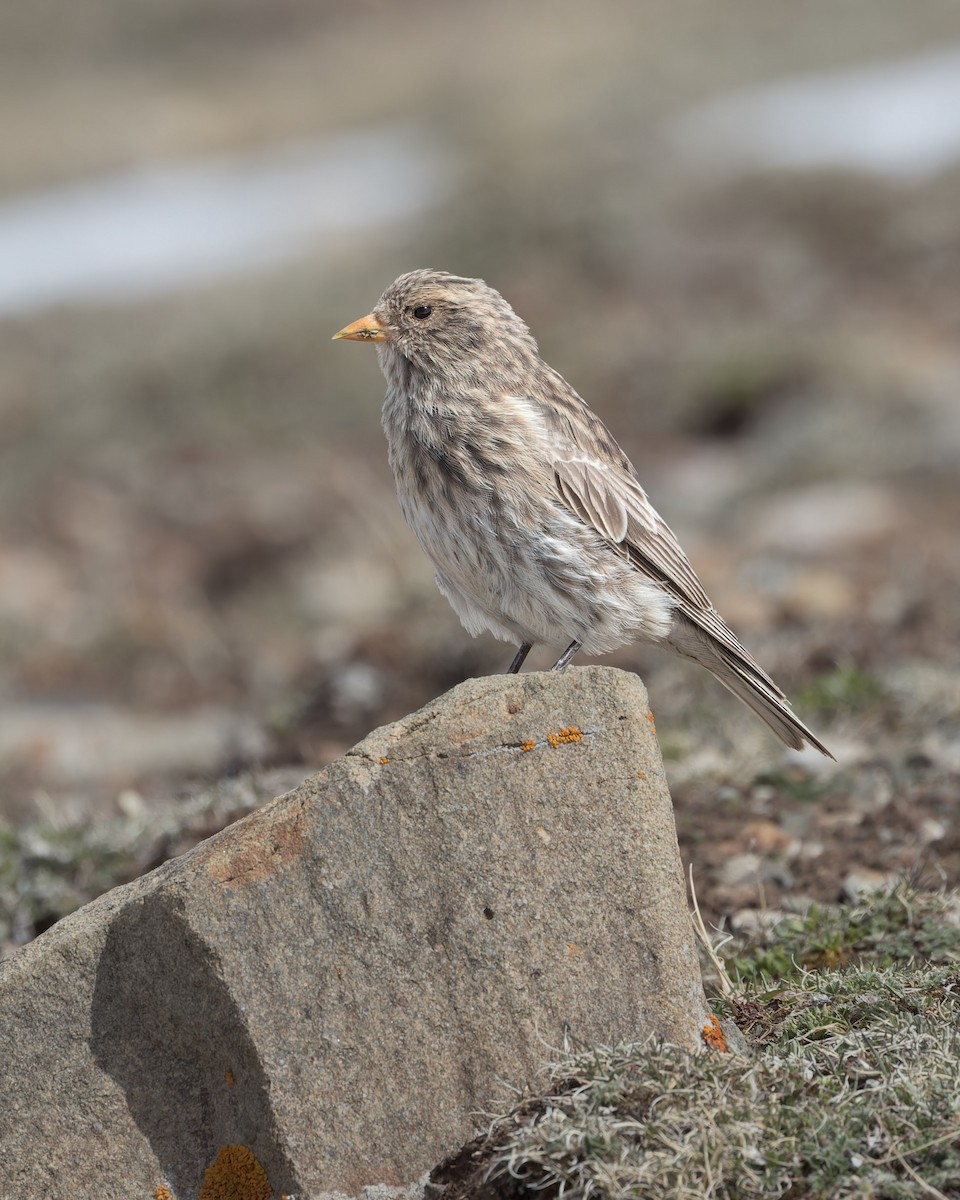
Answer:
(860, 882)
(740, 869)
(756, 920)
(766, 837)
(750, 868)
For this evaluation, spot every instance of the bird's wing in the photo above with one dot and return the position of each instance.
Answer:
(597, 482)
(610, 499)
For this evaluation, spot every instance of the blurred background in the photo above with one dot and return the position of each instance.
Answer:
(734, 228)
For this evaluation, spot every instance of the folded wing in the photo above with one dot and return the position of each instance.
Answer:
(596, 480)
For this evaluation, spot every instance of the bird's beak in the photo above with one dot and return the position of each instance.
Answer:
(367, 329)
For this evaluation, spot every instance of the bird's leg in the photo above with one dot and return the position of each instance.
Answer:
(564, 660)
(518, 658)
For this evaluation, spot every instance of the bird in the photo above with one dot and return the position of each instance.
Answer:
(537, 526)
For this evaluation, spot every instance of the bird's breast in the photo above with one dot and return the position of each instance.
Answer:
(472, 476)
(470, 445)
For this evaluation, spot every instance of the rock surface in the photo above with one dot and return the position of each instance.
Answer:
(342, 981)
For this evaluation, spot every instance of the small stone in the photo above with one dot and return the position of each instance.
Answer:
(756, 920)
(732, 899)
(766, 837)
(860, 882)
(743, 869)
(820, 594)
(931, 830)
(740, 869)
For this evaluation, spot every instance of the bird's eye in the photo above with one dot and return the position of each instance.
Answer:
(422, 311)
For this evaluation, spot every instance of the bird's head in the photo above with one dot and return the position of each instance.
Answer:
(446, 325)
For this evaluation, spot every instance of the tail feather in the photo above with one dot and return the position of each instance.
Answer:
(740, 675)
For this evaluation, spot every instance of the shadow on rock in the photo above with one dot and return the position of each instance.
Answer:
(165, 1028)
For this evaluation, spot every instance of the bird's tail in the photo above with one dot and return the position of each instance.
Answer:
(738, 673)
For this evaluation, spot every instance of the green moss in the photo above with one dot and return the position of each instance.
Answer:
(894, 926)
(46, 871)
(796, 783)
(845, 689)
(48, 868)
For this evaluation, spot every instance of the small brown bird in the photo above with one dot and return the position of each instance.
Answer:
(531, 513)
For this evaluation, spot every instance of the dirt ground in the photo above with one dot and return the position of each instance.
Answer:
(203, 569)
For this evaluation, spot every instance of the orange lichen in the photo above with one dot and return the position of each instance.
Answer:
(714, 1036)
(162, 1193)
(230, 1078)
(641, 774)
(529, 744)
(652, 721)
(235, 1174)
(384, 759)
(565, 736)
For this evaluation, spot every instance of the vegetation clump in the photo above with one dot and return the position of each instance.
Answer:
(850, 1087)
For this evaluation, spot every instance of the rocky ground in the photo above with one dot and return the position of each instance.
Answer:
(203, 572)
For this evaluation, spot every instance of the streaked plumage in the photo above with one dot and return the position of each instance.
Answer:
(532, 515)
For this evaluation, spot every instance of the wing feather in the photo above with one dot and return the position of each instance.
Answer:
(590, 499)
(597, 482)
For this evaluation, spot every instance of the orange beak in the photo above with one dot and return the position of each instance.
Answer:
(367, 329)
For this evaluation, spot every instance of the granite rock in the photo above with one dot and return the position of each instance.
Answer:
(333, 990)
